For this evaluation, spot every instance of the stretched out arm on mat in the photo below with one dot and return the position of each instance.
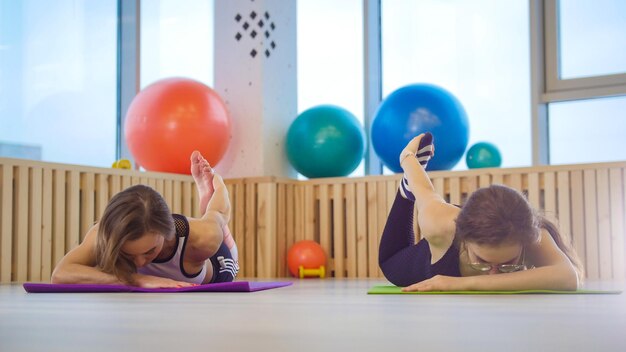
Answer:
(79, 267)
(553, 271)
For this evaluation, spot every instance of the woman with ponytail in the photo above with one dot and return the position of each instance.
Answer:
(495, 232)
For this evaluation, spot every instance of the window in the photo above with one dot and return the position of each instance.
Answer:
(585, 80)
(177, 40)
(330, 56)
(585, 49)
(476, 49)
(587, 131)
(592, 38)
(58, 80)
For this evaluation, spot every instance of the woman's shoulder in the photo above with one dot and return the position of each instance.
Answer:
(438, 224)
(92, 233)
(181, 225)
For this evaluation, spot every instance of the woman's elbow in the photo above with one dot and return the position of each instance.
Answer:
(569, 280)
(59, 276)
(573, 282)
(210, 241)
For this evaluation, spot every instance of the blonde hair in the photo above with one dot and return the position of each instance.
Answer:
(129, 215)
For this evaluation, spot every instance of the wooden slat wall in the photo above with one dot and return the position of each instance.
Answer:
(46, 209)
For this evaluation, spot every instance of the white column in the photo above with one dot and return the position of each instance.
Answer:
(255, 74)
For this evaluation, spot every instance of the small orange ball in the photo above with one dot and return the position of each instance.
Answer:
(306, 253)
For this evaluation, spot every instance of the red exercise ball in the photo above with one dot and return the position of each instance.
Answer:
(171, 118)
(306, 253)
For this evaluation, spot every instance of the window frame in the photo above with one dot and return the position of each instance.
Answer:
(558, 89)
(372, 78)
(128, 67)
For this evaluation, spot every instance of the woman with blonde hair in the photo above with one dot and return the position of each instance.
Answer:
(138, 241)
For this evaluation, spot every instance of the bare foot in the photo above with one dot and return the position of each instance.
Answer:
(202, 173)
(219, 202)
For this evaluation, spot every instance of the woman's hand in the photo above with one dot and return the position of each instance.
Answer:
(412, 148)
(439, 283)
(149, 281)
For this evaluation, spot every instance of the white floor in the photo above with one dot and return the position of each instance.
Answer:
(311, 315)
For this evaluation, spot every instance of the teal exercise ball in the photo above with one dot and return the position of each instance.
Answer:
(483, 154)
(325, 141)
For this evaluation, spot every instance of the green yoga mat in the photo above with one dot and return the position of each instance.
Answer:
(395, 290)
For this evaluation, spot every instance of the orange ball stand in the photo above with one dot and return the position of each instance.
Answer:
(171, 118)
(306, 259)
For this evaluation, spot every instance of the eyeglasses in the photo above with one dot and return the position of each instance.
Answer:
(502, 268)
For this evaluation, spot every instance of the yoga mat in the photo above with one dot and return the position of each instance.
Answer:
(237, 286)
(394, 290)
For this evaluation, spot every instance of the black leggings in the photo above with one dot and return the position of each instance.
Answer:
(224, 266)
(401, 260)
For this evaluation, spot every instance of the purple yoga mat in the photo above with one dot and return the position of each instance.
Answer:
(237, 286)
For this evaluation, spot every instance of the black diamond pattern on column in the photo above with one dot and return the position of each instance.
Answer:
(266, 29)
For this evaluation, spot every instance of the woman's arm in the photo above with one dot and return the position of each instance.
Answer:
(78, 266)
(205, 237)
(554, 271)
(435, 217)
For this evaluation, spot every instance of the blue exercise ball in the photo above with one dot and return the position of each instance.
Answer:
(325, 141)
(483, 154)
(415, 109)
